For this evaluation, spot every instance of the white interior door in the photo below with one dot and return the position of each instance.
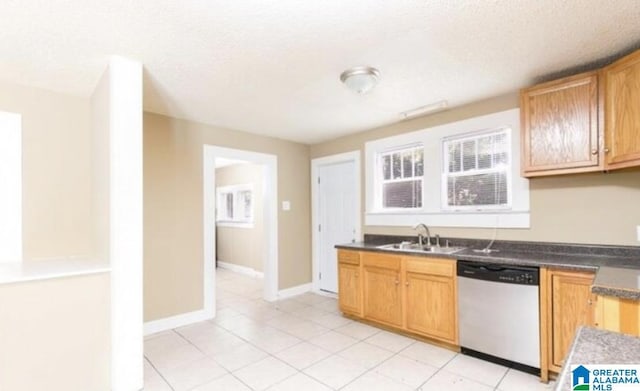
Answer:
(337, 216)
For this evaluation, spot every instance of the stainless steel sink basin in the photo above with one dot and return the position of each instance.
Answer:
(415, 247)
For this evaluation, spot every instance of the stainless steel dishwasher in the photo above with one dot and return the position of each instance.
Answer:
(499, 313)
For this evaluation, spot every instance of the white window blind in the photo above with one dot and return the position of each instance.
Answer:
(477, 171)
(401, 173)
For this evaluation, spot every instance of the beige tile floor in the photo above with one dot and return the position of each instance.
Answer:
(303, 343)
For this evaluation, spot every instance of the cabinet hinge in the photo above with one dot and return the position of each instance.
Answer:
(318, 180)
(319, 276)
(319, 228)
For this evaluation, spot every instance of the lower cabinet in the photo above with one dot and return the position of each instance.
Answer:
(567, 303)
(382, 290)
(412, 294)
(431, 301)
(349, 282)
(618, 314)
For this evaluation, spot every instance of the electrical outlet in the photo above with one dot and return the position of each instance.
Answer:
(286, 205)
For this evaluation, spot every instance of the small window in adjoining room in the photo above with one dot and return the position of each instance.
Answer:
(400, 173)
(245, 204)
(477, 171)
(235, 204)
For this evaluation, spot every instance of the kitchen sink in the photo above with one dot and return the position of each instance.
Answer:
(415, 247)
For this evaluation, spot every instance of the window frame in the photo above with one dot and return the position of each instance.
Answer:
(381, 181)
(432, 213)
(507, 131)
(237, 220)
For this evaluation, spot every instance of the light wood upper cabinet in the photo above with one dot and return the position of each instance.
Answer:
(560, 126)
(382, 291)
(349, 282)
(622, 111)
(431, 298)
(570, 304)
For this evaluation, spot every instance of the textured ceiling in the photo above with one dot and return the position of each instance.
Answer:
(272, 67)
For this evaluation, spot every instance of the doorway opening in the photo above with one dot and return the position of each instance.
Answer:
(240, 239)
(230, 206)
(335, 192)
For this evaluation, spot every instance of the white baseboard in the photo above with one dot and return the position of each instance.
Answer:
(156, 326)
(240, 269)
(326, 294)
(294, 291)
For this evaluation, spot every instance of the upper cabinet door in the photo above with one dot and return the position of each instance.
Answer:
(622, 111)
(560, 126)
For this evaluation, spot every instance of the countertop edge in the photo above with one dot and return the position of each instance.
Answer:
(623, 293)
(592, 346)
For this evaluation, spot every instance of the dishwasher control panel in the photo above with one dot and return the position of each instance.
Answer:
(509, 274)
(525, 278)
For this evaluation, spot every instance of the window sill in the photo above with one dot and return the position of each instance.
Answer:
(461, 219)
(234, 224)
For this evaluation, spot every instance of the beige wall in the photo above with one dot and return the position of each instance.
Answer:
(588, 208)
(56, 170)
(54, 334)
(243, 246)
(173, 240)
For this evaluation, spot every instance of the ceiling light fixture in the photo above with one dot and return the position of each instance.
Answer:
(360, 79)
(423, 110)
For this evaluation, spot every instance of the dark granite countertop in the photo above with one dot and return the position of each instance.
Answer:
(593, 346)
(615, 281)
(553, 255)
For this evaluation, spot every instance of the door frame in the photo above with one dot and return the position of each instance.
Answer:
(270, 199)
(352, 156)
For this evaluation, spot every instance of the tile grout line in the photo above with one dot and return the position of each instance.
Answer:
(159, 374)
(502, 378)
(438, 371)
(372, 368)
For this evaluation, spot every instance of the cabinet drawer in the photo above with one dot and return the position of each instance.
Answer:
(381, 260)
(352, 257)
(436, 267)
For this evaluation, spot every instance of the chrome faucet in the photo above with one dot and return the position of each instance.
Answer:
(421, 236)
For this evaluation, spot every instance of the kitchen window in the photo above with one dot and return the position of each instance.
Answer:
(235, 205)
(477, 171)
(460, 174)
(401, 172)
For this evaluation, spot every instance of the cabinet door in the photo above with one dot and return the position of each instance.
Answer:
(560, 126)
(431, 306)
(622, 112)
(382, 290)
(349, 289)
(618, 314)
(571, 307)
